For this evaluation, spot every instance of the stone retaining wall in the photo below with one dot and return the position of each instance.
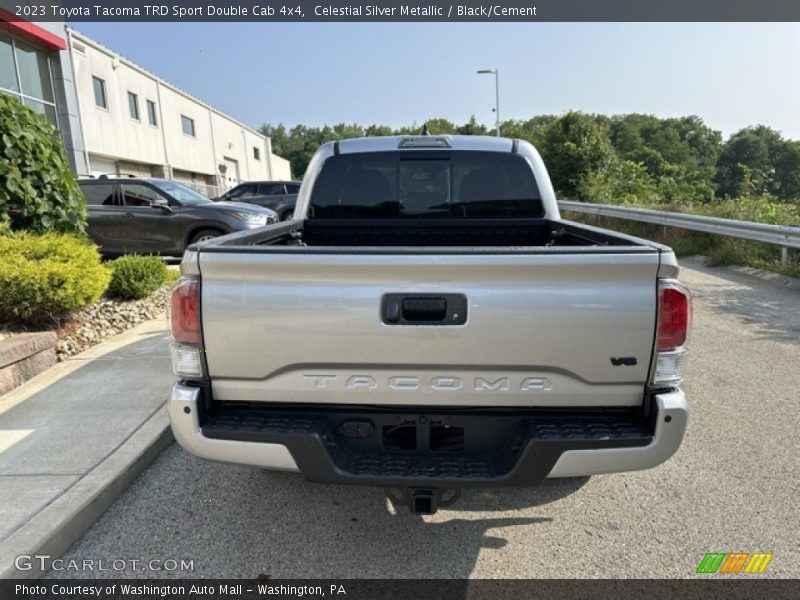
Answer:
(24, 355)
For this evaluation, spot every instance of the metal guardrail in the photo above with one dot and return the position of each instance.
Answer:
(781, 235)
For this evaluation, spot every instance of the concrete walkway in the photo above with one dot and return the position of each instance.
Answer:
(72, 438)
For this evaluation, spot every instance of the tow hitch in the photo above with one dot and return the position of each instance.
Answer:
(422, 501)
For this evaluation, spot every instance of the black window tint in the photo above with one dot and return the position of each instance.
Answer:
(424, 187)
(98, 194)
(242, 190)
(136, 194)
(270, 189)
(487, 185)
(426, 184)
(357, 185)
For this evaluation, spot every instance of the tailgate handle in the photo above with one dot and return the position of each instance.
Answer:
(424, 309)
(407, 309)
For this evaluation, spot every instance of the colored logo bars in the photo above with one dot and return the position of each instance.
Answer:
(734, 562)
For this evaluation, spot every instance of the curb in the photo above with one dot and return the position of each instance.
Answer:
(778, 280)
(55, 528)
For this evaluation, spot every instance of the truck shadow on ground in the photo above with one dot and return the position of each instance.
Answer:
(239, 522)
(354, 531)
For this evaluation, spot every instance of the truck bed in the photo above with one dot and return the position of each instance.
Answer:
(415, 235)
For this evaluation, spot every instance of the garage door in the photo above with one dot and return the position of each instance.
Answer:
(231, 172)
(102, 166)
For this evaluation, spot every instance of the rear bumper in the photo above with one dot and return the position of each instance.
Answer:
(542, 445)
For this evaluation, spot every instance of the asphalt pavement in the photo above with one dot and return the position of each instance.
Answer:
(733, 487)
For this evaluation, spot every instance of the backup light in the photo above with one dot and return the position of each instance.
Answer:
(668, 366)
(187, 362)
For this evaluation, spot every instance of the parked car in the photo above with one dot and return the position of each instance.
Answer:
(430, 323)
(159, 216)
(279, 196)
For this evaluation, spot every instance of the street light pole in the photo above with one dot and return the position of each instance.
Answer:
(496, 73)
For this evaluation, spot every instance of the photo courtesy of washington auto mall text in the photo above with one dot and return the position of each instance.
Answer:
(388, 301)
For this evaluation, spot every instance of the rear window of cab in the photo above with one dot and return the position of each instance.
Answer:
(423, 184)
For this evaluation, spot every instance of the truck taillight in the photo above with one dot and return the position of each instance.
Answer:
(674, 314)
(184, 320)
(184, 312)
(674, 321)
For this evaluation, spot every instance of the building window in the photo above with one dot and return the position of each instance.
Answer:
(25, 75)
(256, 153)
(100, 98)
(187, 125)
(8, 72)
(133, 105)
(151, 113)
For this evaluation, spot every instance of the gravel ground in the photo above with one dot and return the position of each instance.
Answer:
(732, 487)
(107, 318)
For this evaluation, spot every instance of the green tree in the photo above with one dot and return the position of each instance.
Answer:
(625, 158)
(787, 170)
(622, 182)
(575, 146)
(38, 189)
(471, 127)
(681, 152)
(747, 164)
(378, 130)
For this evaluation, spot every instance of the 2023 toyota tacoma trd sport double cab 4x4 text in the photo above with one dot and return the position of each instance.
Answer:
(428, 322)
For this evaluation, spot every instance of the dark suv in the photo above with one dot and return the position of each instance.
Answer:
(158, 216)
(279, 196)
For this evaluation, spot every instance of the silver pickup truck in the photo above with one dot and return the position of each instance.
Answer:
(428, 322)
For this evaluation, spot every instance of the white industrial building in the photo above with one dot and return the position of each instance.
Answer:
(116, 118)
(135, 123)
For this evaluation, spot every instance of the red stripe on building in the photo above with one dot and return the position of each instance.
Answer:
(32, 33)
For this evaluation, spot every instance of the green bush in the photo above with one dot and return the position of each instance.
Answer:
(134, 277)
(38, 189)
(172, 276)
(45, 277)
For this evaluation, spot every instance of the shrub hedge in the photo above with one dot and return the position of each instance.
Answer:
(45, 277)
(38, 190)
(134, 277)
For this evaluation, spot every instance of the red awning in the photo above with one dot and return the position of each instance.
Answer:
(30, 32)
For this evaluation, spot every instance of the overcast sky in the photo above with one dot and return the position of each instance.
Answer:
(731, 75)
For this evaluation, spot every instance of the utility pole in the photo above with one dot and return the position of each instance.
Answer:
(496, 73)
